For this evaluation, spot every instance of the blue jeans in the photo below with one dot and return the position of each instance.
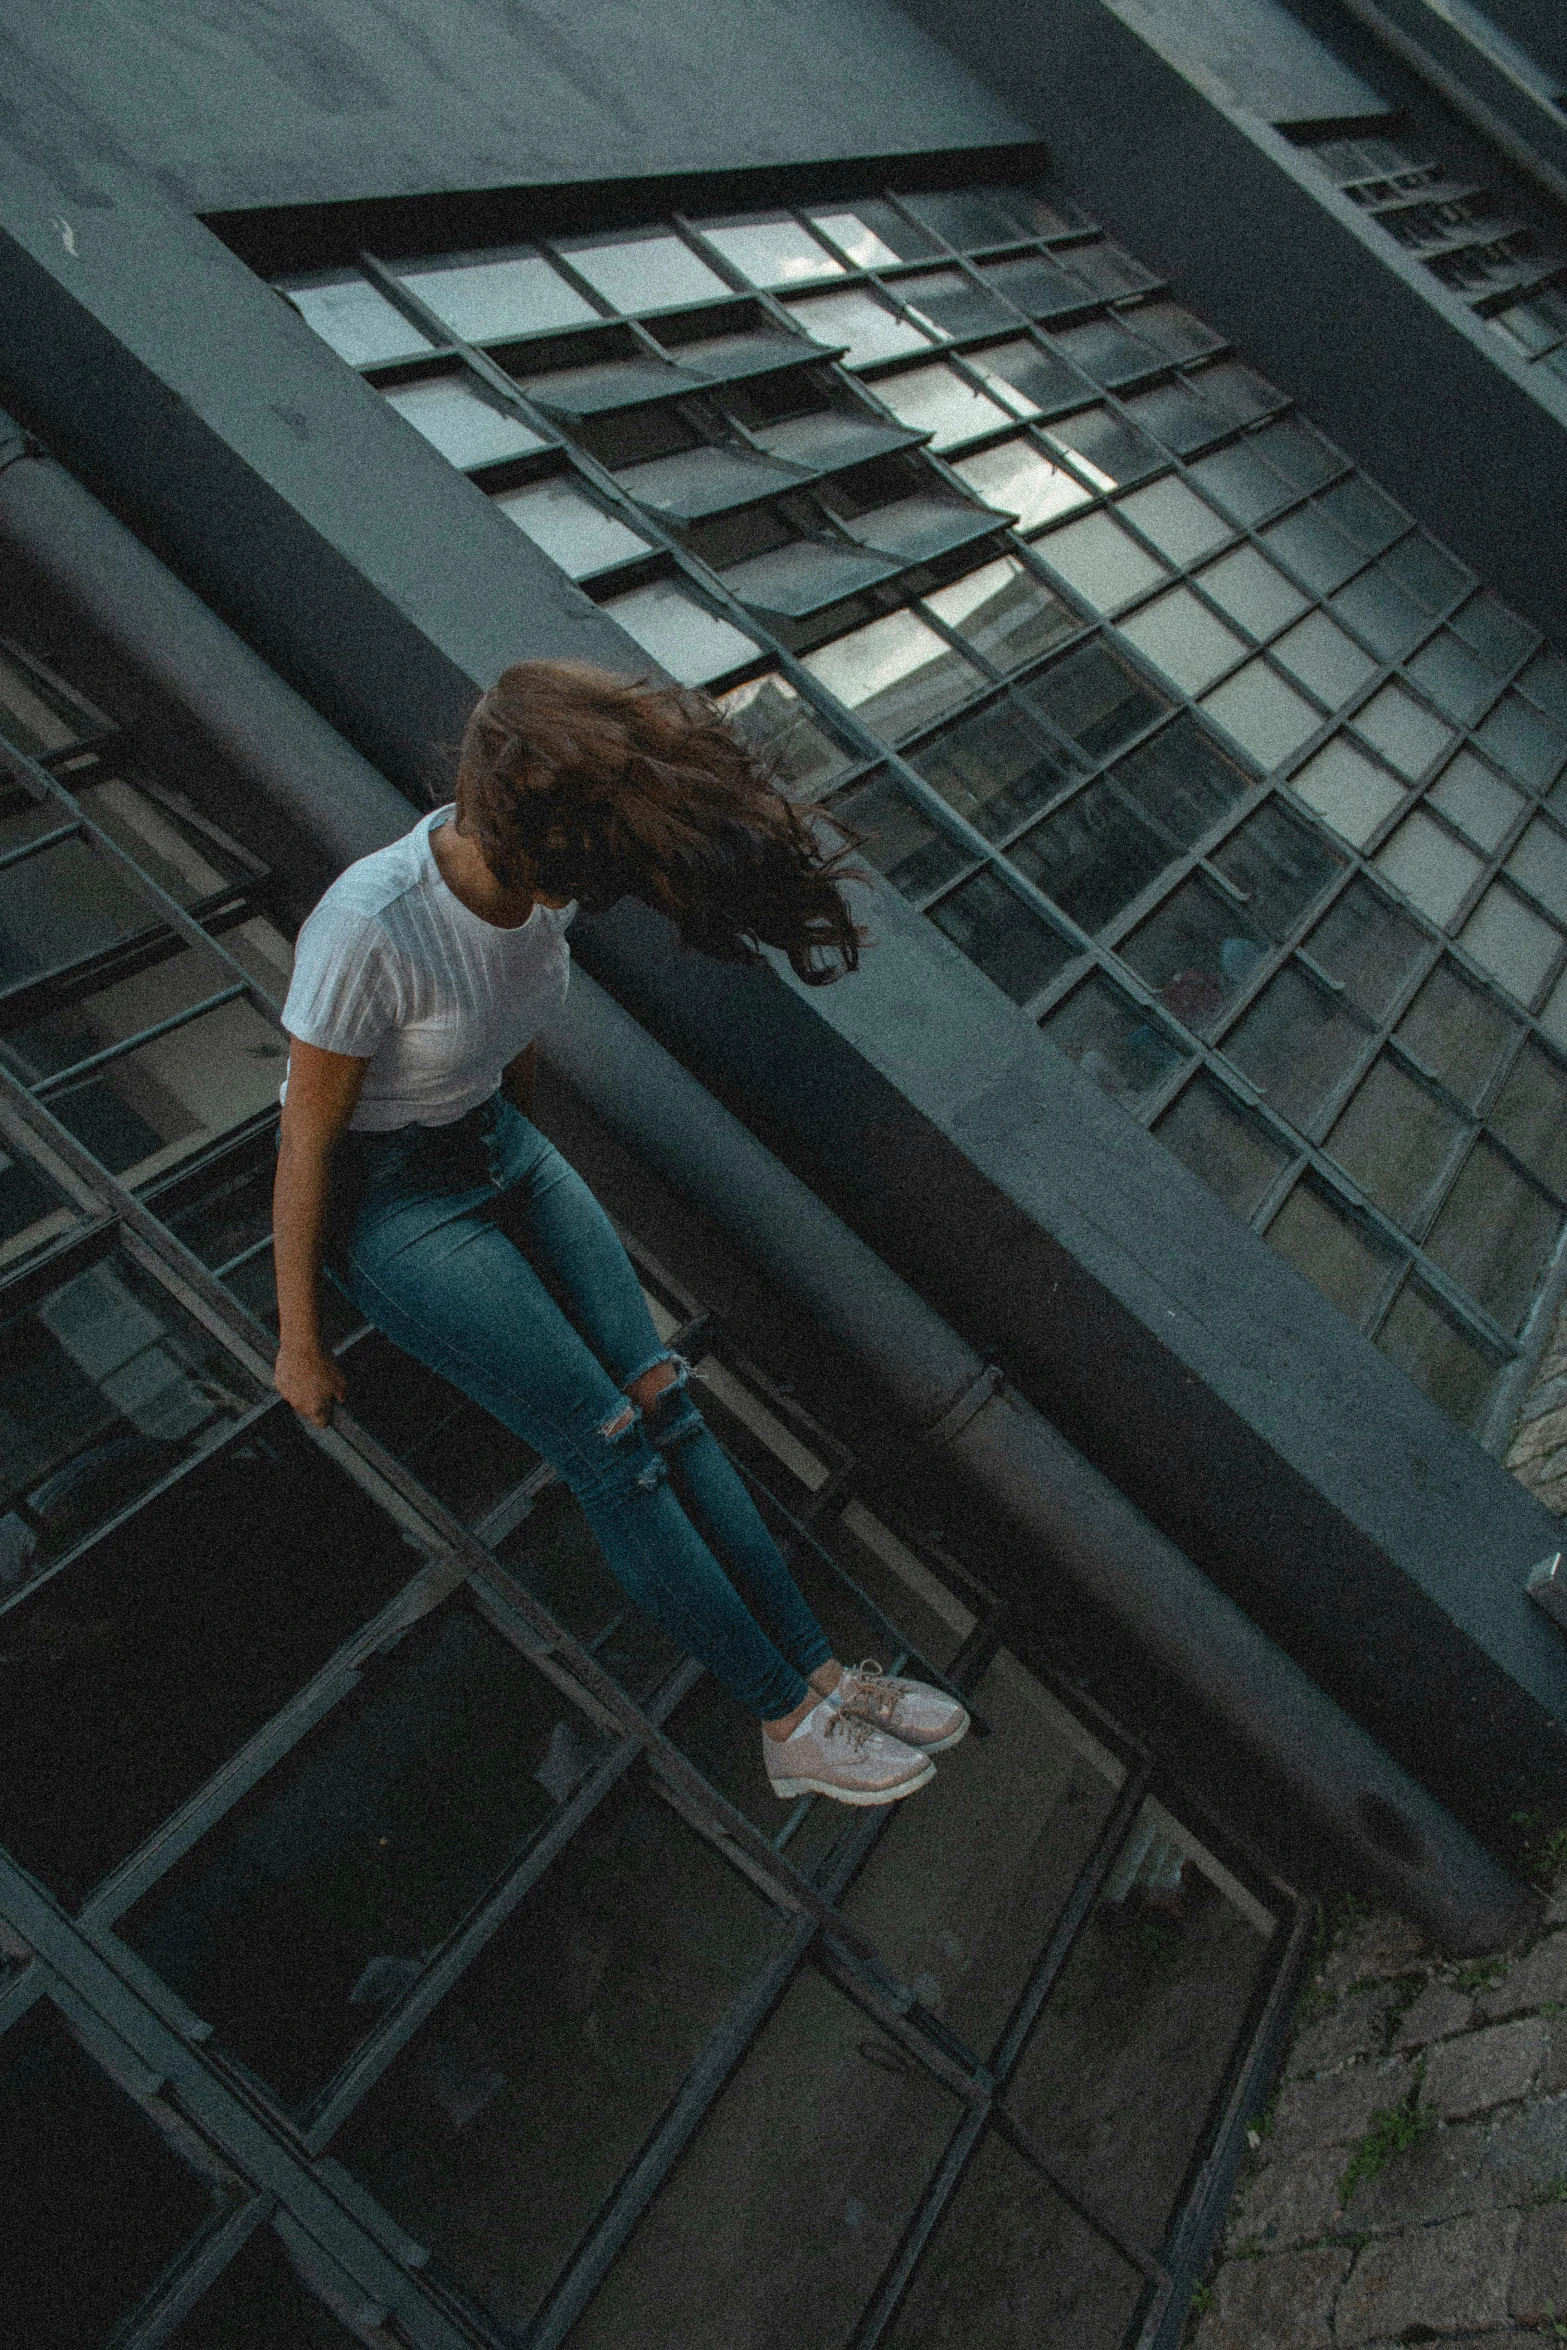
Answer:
(435, 1233)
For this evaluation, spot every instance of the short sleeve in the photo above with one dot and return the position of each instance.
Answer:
(343, 996)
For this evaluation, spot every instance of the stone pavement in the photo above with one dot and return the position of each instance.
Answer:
(1410, 2181)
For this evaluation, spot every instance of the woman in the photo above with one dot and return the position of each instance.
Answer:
(408, 1164)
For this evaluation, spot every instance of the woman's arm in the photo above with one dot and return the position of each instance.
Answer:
(323, 1089)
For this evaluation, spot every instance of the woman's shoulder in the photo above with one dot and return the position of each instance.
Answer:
(367, 890)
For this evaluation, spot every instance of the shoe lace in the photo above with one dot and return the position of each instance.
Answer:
(853, 1727)
(875, 1695)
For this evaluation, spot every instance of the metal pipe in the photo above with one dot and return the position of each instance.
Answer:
(1373, 1811)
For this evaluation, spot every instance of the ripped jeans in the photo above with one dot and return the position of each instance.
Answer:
(431, 1233)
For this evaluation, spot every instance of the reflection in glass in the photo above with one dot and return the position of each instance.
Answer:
(1474, 797)
(1238, 391)
(1358, 507)
(1422, 1338)
(1519, 740)
(1280, 866)
(1178, 416)
(692, 643)
(571, 530)
(1448, 672)
(1544, 681)
(900, 839)
(735, 2246)
(1121, 1047)
(1182, 638)
(1396, 1140)
(1432, 869)
(1182, 782)
(968, 218)
(1005, 612)
(1039, 287)
(459, 422)
(1103, 349)
(1348, 790)
(951, 304)
(361, 325)
(1247, 586)
(1031, 381)
(504, 2125)
(1104, 447)
(1378, 608)
(1508, 939)
(646, 272)
(1495, 1236)
(1298, 452)
(1457, 1032)
(1173, 330)
(1501, 639)
(37, 716)
(1010, 942)
(1016, 479)
(1539, 865)
(772, 250)
(875, 235)
(32, 1211)
(1239, 483)
(995, 769)
(1235, 1155)
(937, 400)
(1336, 1254)
(1180, 524)
(1268, 718)
(1298, 1043)
(897, 674)
(1101, 561)
(1109, 270)
(1369, 947)
(486, 298)
(1408, 735)
(1323, 657)
(1196, 954)
(864, 328)
(770, 713)
(1094, 698)
(1094, 855)
(1530, 1115)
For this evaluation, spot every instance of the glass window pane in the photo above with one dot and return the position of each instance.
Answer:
(967, 218)
(1431, 868)
(875, 235)
(692, 643)
(995, 769)
(937, 400)
(1103, 349)
(1196, 954)
(771, 716)
(1396, 1140)
(1235, 1155)
(1008, 940)
(185, 862)
(1182, 782)
(1101, 561)
(1336, 1254)
(1298, 452)
(97, 2203)
(1126, 1052)
(32, 1211)
(1173, 330)
(864, 328)
(1545, 682)
(1539, 865)
(1005, 612)
(1248, 587)
(1281, 868)
(1094, 855)
(65, 904)
(1457, 683)
(260, 2303)
(1348, 790)
(898, 675)
(738, 2242)
(1512, 942)
(1039, 287)
(311, 1908)
(1521, 741)
(1239, 391)
(1180, 524)
(508, 2119)
(951, 304)
(1178, 416)
(1093, 698)
(1380, 610)
(486, 298)
(1368, 945)
(37, 715)
(461, 423)
(1031, 381)
(1104, 447)
(1498, 635)
(1297, 1044)
(361, 325)
(1239, 483)
(1317, 651)
(1429, 574)
(1358, 507)
(1268, 718)
(1495, 1236)
(772, 251)
(706, 480)
(900, 839)
(1457, 1032)
(1109, 270)
(1444, 1361)
(572, 531)
(1530, 1115)
(1016, 479)
(649, 271)
(1474, 797)
(1317, 553)
(1408, 735)
(1182, 638)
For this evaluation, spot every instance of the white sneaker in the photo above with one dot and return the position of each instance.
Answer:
(833, 1753)
(913, 1711)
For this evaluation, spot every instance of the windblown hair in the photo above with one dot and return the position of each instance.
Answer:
(582, 784)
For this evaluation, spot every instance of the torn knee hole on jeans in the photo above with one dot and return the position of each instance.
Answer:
(620, 1424)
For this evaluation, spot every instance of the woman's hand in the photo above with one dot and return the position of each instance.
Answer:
(311, 1380)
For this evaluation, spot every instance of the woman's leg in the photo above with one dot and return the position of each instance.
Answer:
(557, 1219)
(437, 1276)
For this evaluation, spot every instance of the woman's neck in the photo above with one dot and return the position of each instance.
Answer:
(460, 863)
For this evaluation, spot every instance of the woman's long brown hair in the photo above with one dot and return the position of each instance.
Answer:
(582, 784)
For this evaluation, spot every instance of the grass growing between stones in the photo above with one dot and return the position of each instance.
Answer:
(1394, 2130)
(1541, 1843)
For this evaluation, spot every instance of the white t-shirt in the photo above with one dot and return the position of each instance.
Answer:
(392, 967)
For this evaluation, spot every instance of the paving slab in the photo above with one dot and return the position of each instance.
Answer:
(1451, 2275)
(1290, 2203)
(1337, 2109)
(1440, 2010)
(1280, 2304)
(1536, 1981)
(1480, 2070)
(1356, 2025)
